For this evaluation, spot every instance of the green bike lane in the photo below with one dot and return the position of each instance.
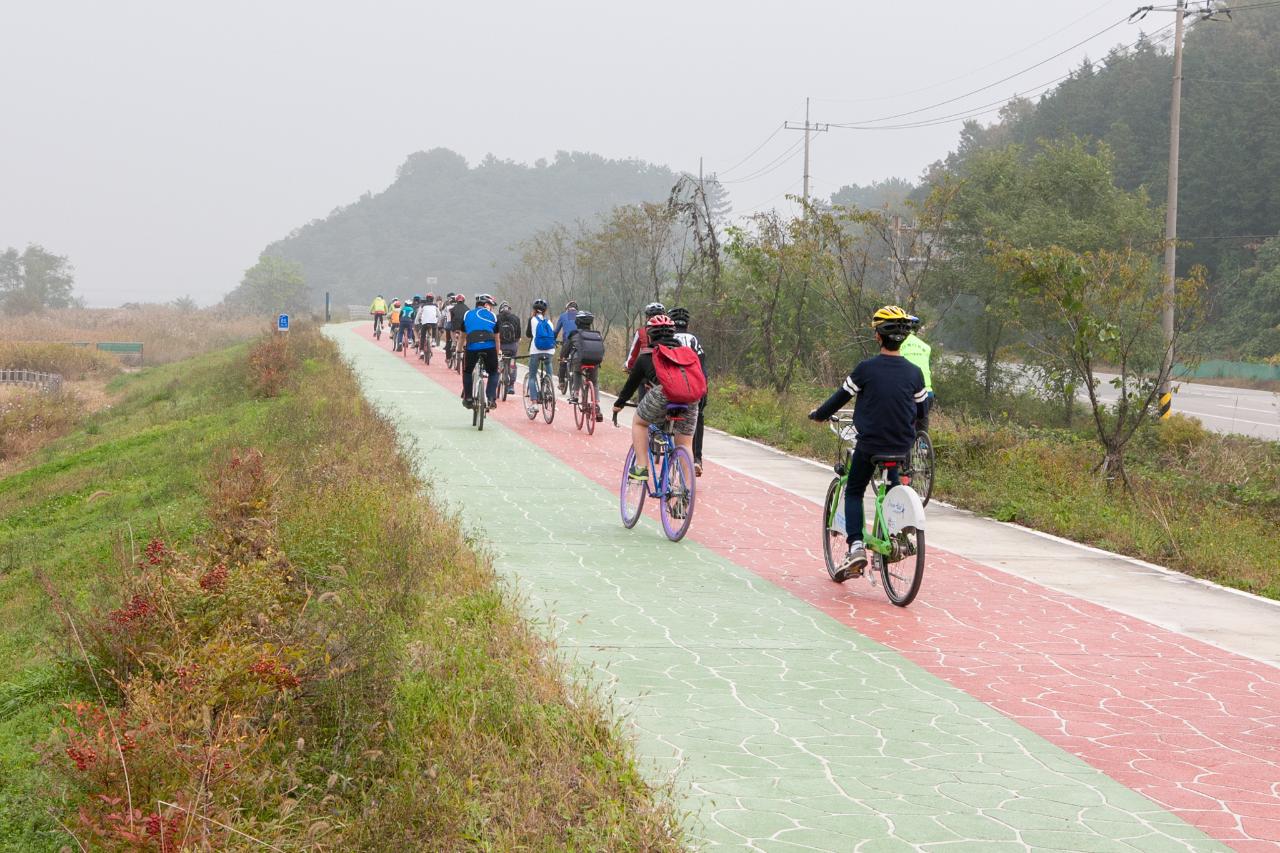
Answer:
(783, 728)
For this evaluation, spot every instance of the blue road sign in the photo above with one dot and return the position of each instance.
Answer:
(282, 323)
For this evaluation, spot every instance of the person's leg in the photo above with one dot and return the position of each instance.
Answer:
(468, 365)
(640, 441)
(860, 471)
(697, 431)
(491, 381)
(531, 378)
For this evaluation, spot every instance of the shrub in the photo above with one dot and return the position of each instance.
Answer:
(273, 364)
(71, 362)
(29, 419)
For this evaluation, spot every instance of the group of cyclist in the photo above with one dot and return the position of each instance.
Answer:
(893, 390)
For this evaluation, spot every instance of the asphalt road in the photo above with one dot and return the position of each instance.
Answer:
(1222, 409)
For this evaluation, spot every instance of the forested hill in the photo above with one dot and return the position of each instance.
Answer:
(443, 218)
(1230, 163)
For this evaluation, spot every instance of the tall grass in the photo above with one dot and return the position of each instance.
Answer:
(167, 333)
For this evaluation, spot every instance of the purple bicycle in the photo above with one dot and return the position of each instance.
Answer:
(671, 479)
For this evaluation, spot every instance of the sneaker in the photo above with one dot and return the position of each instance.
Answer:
(697, 468)
(855, 561)
(466, 404)
(599, 417)
(641, 474)
(492, 405)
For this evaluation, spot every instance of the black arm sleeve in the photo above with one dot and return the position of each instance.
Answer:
(634, 378)
(833, 404)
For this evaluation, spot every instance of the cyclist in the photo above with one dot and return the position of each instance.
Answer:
(916, 351)
(680, 316)
(407, 310)
(565, 326)
(509, 328)
(890, 399)
(393, 317)
(379, 311)
(446, 321)
(653, 405)
(542, 344)
(428, 318)
(640, 340)
(586, 349)
(483, 339)
(457, 312)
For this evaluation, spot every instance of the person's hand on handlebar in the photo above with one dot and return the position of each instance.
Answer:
(813, 416)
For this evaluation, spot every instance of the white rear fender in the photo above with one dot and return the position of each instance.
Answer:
(902, 509)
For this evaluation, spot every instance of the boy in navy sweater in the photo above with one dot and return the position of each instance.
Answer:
(890, 399)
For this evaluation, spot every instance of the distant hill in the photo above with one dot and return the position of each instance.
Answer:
(442, 218)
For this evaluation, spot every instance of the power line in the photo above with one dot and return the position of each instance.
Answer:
(993, 106)
(754, 151)
(1005, 79)
(786, 156)
(971, 72)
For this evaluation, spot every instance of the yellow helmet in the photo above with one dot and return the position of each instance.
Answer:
(889, 314)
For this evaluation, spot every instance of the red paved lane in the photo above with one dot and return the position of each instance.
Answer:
(1192, 727)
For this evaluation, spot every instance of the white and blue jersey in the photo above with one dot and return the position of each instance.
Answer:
(479, 324)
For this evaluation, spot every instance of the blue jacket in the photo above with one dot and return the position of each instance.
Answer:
(568, 324)
(479, 324)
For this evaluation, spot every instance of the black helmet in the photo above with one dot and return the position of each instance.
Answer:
(584, 319)
(679, 316)
(539, 305)
(653, 309)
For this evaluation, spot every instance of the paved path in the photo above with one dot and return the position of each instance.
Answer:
(995, 713)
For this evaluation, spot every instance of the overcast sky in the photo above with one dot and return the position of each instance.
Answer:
(161, 145)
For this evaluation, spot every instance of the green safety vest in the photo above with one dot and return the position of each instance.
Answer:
(917, 352)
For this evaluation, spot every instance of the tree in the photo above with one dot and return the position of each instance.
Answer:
(270, 286)
(35, 280)
(1062, 195)
(1100, 310)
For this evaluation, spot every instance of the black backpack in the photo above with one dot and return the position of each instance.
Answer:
(509, 327)
(590, 344)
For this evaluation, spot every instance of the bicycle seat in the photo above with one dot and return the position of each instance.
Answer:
(676, 408)
(890, 460)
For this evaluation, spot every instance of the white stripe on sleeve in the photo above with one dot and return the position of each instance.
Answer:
(848, 385)
(921, 396)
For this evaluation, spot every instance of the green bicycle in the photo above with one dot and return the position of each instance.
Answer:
(895, 543)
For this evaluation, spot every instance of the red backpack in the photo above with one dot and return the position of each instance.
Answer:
(679, 373)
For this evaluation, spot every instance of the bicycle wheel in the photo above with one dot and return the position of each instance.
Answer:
(481, 403)
(922, 462)
(502, 381)
(631, 494)
(833, 541)
(547, 398)
(593, 405)
(902, 578)
(579, 408)
(530, 405)
(677, 491)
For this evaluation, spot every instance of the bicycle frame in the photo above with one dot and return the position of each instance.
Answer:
(871, 540)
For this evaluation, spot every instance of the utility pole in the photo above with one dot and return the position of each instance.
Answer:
(808, 128)
(1171, 214)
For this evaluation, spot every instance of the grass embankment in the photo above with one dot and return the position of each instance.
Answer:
(227, 593)
(1202, 503)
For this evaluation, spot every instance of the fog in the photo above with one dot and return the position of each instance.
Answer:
(162, 145)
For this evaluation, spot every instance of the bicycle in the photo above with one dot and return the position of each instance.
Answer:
(922, 466)
(586, 403)
(377, 327)
(896, 538)
(479, 397)
(546, 398)
(676, 484)
(506, 374)
(424, 345)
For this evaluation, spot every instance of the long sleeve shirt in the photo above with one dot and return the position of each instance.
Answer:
(891, 395)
